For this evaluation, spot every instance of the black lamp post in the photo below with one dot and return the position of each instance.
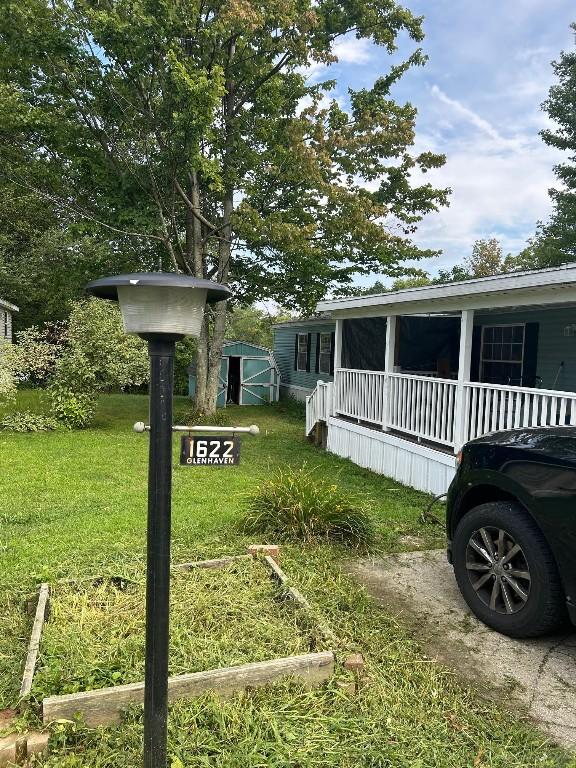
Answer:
(161, 308)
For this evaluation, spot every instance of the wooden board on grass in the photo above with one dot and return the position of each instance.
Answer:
(104, 706)
(34, 644)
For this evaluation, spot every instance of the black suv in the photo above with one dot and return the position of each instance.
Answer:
(511, 522)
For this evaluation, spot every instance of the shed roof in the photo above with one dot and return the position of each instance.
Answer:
(556, 285)
(246, 344)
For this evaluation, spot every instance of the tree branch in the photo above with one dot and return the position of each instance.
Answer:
(259, 83)
(194, 210)
(76, 209)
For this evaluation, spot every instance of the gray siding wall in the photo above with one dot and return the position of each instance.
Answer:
(553, 346)
(284, 343)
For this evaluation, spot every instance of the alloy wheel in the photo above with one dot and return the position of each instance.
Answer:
(498, 570)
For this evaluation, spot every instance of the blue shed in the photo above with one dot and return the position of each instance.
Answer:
(248, 375)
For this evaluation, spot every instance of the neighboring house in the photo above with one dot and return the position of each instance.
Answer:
(418, 372)
(248, 375)
(304, 351)
(6, 312)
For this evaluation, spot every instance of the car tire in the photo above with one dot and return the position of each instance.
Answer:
(506, 571)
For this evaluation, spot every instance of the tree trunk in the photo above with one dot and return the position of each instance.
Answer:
(202, 367)
(225, 243)
(220, 309)
(195, 252)
(195, 199)
(215, 356)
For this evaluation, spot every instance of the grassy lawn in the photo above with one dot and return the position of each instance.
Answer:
(74, 504)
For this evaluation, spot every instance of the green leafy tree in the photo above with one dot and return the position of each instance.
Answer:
(190, 135)
(555, 242)
(417, 281)
(486, 259)
(253, 325)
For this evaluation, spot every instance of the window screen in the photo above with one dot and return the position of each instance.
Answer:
(325, 353)
(364, 343)
(502, 354)
(302, 357)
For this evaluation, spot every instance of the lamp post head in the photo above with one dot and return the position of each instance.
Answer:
(160, 304)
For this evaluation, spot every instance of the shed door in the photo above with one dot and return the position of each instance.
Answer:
(222, 383)
(256, 381)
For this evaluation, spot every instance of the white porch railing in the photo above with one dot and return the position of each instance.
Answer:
(441, 411)
(318, 405)
(422, 406)
(360, 394)
(493, 408)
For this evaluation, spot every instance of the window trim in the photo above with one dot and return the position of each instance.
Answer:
(327, 354)
(513, 362)
(302, 352)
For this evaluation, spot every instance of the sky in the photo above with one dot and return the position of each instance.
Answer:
(478, 101)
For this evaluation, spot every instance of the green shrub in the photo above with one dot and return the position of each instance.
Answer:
(38, 350)
(98, 357)
(25, 421)
(295, 504)
(8, 373)
(74, 410)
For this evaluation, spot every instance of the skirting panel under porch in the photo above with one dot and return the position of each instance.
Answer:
(409, 463)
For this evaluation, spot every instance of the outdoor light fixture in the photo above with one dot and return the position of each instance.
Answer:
(160, 307)
(160, 303)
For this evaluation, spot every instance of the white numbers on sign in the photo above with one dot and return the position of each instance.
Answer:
(210, 449)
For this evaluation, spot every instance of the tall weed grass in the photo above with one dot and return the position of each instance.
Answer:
(296, 504)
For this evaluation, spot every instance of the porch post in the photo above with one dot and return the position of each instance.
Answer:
(337, 364)
(464, 364)
(389, 362)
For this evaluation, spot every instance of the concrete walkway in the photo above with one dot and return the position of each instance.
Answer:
(537, 677)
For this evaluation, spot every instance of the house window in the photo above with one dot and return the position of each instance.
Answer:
(325, 353)
(502, 355)
(5, 323)
(302, 357)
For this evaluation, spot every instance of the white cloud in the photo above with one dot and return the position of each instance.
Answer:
(499, 183)
(474, 119)
(351, 50)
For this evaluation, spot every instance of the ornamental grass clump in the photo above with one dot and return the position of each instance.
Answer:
(296, 504)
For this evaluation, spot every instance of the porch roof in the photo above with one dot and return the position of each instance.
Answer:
(556, 285)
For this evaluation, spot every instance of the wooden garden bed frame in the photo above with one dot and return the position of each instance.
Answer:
(104, 706)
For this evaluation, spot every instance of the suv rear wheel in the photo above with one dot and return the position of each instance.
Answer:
(506, 572)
